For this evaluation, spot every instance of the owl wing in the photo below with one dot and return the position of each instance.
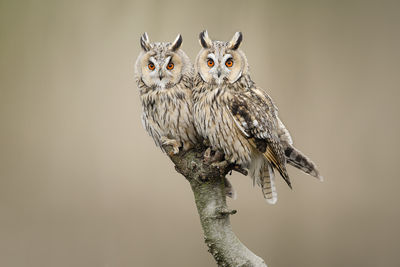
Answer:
(257, 121)
(283, 133)
(293, 156)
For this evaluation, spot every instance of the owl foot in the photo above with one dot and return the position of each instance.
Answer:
(220, 164)
(187, 146)
(206, 142)
(207, 155)
(211, 156)
(218, 156)
(171, 142)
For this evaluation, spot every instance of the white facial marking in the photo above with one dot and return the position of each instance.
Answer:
(226, 57)
(166, 62)
(212, 56)
(154, 61)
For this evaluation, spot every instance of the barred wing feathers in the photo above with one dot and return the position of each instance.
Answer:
(257, 123)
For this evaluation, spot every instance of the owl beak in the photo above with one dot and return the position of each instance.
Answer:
(160, 75)
(219, 72)
(217, 75)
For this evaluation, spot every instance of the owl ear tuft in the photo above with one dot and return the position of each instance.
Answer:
(205, 41)
(236, 41)
(144, 42)
(176, 44)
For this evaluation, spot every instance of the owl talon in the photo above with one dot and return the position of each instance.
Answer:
(218, 156)
(220, 164)
(206, 143)
(187, 146)
(210, 157)
(207, 155)
(171, 142)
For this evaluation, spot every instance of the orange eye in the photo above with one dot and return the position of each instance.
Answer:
(229, 63)
(151, 66)
(170, 66)
(210, 62)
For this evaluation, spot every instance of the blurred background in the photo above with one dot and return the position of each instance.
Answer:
(81, 183)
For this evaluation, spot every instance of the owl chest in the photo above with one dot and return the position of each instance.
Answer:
(213, 119)
(215, 123)
(165, 116)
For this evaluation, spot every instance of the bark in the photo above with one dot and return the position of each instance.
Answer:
(208, 186)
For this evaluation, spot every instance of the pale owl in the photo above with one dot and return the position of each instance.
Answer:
(164, 77)
(240, 119)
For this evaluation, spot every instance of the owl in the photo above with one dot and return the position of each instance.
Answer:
(239, 119)
(164, 76)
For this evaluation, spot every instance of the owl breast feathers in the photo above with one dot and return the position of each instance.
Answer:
(164, 76)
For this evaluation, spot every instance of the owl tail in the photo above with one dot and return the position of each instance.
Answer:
(263, 174)
(297, 159)
(268, 185)
(271, 157)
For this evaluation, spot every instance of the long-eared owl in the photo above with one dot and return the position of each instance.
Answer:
(240, 119)
(164, 76)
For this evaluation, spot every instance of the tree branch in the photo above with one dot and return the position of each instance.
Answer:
(208, 186)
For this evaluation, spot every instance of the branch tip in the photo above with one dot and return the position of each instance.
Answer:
(226, 212)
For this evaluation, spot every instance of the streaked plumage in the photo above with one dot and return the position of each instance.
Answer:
(164, 77)
(239, 118)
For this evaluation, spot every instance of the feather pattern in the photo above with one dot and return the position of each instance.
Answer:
(260, 127)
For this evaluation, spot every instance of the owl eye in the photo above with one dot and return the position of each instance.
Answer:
(229, 63)
(170, 66)
(151, 66)
(210, 62)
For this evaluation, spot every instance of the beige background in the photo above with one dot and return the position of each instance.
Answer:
(81, 184)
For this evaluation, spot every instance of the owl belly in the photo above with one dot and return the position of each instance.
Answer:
(215, 123)
(169, 118)
(178, 123)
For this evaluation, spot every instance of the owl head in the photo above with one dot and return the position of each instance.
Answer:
(161, 65)
(219, 62)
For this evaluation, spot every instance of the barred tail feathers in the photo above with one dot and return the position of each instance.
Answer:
(262, 173)
(297, 159)
(279, 165)
(268, 187)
